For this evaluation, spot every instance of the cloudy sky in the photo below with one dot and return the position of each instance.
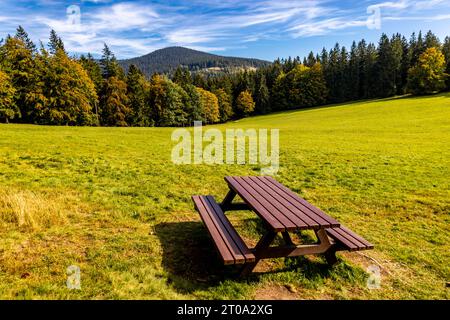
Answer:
(264, 29)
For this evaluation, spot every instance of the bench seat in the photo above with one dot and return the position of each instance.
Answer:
(229, 244)
(347, 240)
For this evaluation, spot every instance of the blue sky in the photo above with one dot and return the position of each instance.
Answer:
(264, 29)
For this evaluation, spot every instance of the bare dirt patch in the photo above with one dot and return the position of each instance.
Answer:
(275, 292)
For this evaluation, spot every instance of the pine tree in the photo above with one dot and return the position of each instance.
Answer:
(192, 103)
(431, 41)
(18, 63)
(8, 108)
(262, 96)
(93, 69)
(199, 81)
(404, 68)
(333, 74)
(182, 76)
(55, 43)
(109, 65)
(138, 88)
(397, 48)
(22, 35)
(446, 52)
(245, 103)
(353, 76)
(386, 68)
(428, 76)
(115, 108)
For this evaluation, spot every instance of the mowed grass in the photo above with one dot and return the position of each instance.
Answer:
(110, 201)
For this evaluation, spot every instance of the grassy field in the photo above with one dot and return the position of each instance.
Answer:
(110, 201)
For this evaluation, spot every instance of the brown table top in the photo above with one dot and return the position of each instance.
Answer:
(282, 209)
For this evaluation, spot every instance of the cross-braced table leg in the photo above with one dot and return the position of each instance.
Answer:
(262, 246)
(226, 203)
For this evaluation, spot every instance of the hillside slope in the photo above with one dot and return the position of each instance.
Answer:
(168, 59)
(110, 201)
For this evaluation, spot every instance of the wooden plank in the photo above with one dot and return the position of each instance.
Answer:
(223, 231)
(303, 202)
(347, 243)
(358, 237)
(294, 200)
(282, 201)
(350, 238)
(217, 239)
(242, 247)
(268, 207)
(259, 209)
(272, 204)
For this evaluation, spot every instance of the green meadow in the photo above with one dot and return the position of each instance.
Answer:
(110, 201)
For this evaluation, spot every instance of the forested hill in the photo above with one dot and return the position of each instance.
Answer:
(168, 59)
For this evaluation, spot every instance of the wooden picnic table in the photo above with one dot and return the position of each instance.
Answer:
(282, 212)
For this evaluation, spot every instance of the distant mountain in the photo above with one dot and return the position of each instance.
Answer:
(168, 59)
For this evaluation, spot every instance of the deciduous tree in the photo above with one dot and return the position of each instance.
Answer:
(245, 103)
(8, 108)
(428, 76)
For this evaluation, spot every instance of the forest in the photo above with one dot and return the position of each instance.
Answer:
(45, 85)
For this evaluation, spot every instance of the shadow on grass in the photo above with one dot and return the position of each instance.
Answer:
(190, 258)
(192, 263)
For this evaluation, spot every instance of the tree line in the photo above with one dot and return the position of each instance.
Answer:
(46, 86)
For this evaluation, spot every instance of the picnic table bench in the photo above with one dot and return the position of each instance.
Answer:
(282, 211)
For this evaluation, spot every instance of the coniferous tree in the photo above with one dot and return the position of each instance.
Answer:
(114, 102)
(386, 68)
(22, 35)
(18, 63)
(109, 65)
(404, 68)
(182, 76)
(353, 75)
(137, 89)
(192, 103)
(262, 100)
(397, 58)
(446, 52)
(93, 69)
(431, 41)
(55, 43)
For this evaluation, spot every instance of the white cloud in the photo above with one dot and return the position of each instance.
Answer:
(135, 28)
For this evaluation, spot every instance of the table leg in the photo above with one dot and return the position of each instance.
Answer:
(228, 200)
(287, 238)
(330, 256)
(262, 245)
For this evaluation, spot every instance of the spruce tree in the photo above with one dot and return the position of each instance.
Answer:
(22, 35)
(262, 96)
(446, 52)
(55, 43)
(138, 87)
